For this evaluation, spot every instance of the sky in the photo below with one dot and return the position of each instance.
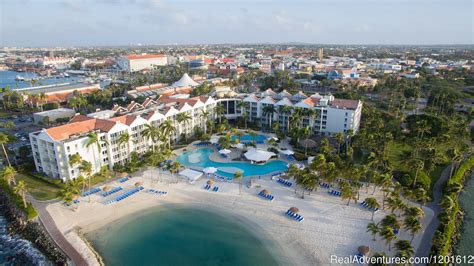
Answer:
(54, 23)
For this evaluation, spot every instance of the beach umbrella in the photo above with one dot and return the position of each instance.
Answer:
(287, 152)
(225, 151)
(138, 184)
(266, 191)
(363, 250)
(124, 174)
(106, 188)
(210, 182)
(308, 143)
(274, 138)
(209, 170)
(294, 209)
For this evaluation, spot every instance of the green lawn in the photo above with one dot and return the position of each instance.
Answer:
(395, 153)
(38, 188)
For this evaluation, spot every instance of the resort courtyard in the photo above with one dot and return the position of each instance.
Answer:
(330, 226)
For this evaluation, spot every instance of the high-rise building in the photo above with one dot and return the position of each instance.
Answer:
(320, 54)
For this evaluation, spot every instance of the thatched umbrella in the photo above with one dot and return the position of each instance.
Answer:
(138, 184)
(266, 191)
(210, 182)
(308, 143)
(294, 209)
(363, 250)
(106, 188)
(124, 174)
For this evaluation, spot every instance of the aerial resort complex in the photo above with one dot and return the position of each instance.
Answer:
(236, 133)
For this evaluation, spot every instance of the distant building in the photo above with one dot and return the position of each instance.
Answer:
(320, 54)
(58, 93)
(56, 62)
(53, 115)
(135, 62)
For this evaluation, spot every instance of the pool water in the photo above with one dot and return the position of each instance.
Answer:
(200, 159)
(249, 138)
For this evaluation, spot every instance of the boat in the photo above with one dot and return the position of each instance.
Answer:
(19, 78)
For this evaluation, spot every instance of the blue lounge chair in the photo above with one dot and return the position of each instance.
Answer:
(215, 189)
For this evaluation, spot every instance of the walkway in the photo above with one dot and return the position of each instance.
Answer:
(425, 246)
(56, 235)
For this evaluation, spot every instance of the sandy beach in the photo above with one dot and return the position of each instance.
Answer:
(330, 226)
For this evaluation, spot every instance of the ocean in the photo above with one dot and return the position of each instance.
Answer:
(466, 243)
(7, 78)
(17, 251)
(181, 236)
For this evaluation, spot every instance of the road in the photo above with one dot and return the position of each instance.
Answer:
(425, 247)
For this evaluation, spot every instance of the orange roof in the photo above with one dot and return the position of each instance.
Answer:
(125, 119)
(79, 118)
(145, 56)
(64, 96)
(345, 103)
(66, 131)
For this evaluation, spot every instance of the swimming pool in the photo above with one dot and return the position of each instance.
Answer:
(200, 158)
(249, 138)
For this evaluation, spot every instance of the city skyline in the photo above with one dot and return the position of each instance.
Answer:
(159, 22)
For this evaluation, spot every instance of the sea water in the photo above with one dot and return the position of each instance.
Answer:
(181, 236)
(466, 243)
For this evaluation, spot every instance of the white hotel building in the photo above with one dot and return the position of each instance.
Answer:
(135, 62)
(52, 147)
(332, 115)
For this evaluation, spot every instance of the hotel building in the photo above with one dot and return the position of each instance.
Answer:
(53, 147)
(135, 62)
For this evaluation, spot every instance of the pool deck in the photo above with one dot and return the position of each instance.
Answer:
(236, 153)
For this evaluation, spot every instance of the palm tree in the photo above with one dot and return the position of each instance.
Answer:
(174, 168)
(4, 140)
(205, 115)
(71, 190)
(168, 129)
(347, 193)
(153, 133)
(286, 109)
(413, 211)
(373, 229)
(447, 203)
(86, 168)
(412, 224)
(253, 134)
(20, 189)
(41, 99)
(404, 248)
(306, 131)
(372, 204)
(268, 111)
(238, 177)
(124, 138)
(9, 174)
(93, 139)
(340, 139)
(184, 118)
(391, 221)
(219, 110)
(388, 234)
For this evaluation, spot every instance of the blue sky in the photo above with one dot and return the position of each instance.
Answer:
(121, 22)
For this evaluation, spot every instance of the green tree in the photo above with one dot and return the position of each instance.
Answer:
(21, 190)
(4, 139)
(238, 177)
(373, 229)
(388, 234)
(184, 118)
(372, 204)
(9, 174)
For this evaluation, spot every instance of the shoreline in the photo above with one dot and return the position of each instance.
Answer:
(330, 227)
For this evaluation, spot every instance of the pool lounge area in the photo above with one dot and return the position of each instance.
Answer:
(200, 158)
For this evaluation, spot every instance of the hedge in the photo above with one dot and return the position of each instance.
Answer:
(448, 231)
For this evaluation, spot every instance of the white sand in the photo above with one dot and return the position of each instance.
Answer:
(329, 228)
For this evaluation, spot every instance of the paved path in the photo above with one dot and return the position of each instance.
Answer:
(425, 246)
(56, 235)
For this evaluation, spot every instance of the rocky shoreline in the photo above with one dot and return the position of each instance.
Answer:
(31, 230)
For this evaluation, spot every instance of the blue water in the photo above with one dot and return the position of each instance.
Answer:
(246, 168)
(17, 251)
(249, 138)
(7, 78)
(181, 236)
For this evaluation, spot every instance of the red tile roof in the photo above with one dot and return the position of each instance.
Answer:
(345, 103)
(76, 128)
(145, 56)
(125, 119)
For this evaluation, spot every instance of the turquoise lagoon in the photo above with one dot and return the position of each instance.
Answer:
(200, 159)
(182, 236)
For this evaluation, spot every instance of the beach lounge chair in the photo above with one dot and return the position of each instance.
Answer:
(215, 189)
